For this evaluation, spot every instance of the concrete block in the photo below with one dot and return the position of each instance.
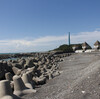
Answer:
(19, 87)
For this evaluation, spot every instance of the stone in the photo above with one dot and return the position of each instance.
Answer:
(29, 63)
(16, 70)
(27, 80)
(56, 73)
(50, 76)
(39, 81)
(6, 91)
(2, 71)
(19, 87)
(8, 76)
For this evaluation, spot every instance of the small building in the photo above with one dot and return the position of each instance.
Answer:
(79, 51)
(85, 46)
(97, 45)
(89, 50)
(76, 47)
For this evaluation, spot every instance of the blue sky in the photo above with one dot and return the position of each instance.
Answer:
(40, 25)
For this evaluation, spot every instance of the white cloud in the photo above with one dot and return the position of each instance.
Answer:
(89, 37)
(46, 43)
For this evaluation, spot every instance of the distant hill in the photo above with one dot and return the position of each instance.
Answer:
(64, 48)
(68, 48)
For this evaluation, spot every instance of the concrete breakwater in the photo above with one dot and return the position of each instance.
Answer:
(16, 55)
(80, 79)
(20, 77)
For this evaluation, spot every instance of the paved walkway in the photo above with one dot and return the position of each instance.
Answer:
(76, 69)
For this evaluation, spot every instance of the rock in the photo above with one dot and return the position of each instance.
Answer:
(39, 80)
(27, 80)
(50, 76)
(56, 73)
(6, 91)
(8, 76)
(19, 87)
(29, 63)
(16, 70)
(2, 71)
(17, 65)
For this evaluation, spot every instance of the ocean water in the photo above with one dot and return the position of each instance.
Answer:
(9, 58)
(8, 53)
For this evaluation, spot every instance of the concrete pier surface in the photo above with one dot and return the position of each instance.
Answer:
(80, 79)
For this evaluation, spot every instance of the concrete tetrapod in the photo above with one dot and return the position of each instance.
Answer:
(50, 76)
(8, 76)
(39, 80)
(27, 80)
(19, 87)
(6, 91)
(16, 71)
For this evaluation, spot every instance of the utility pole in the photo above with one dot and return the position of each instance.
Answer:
(69, 38)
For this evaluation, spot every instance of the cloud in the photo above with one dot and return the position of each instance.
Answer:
(26, 45)
(89, 37)
(47, 42)
(50, 39)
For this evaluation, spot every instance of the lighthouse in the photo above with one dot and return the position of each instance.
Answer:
(69, 38)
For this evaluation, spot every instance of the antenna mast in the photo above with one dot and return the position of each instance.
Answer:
(69, 38)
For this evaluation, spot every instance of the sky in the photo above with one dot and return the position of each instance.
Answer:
(42, 25)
